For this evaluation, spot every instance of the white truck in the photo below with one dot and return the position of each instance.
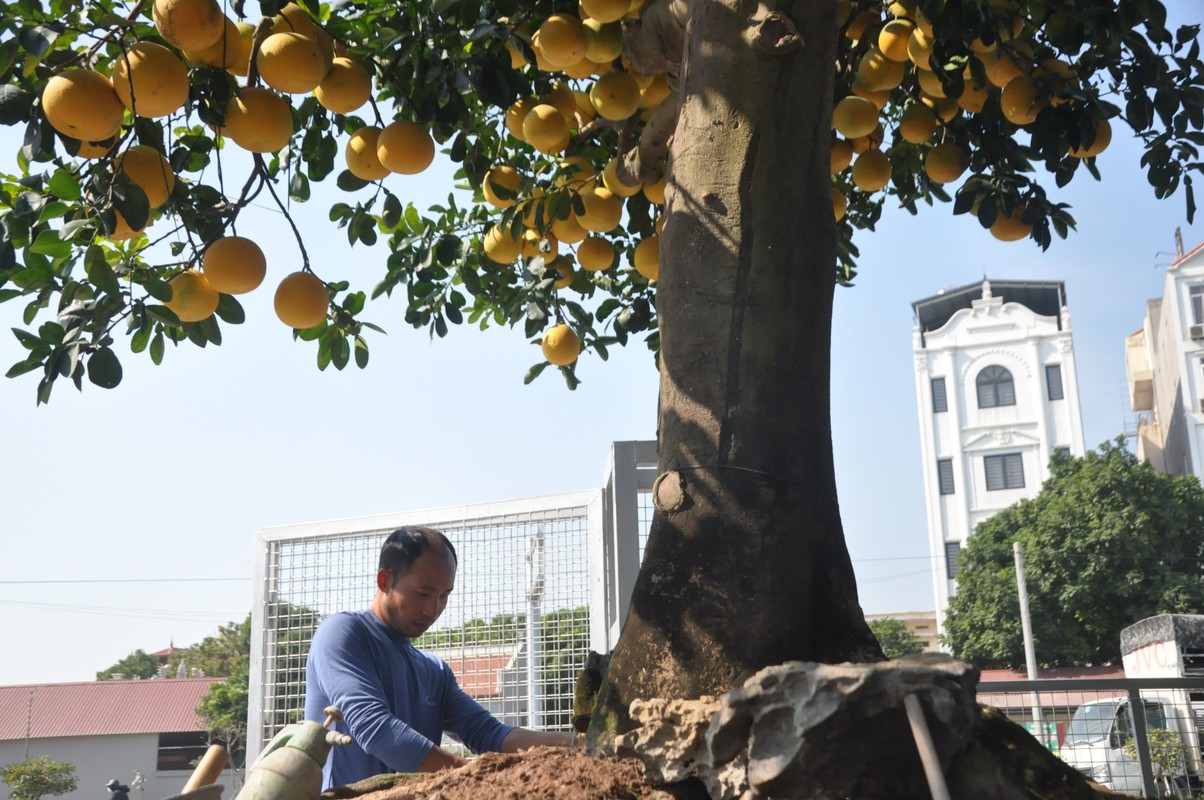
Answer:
(1165, 646)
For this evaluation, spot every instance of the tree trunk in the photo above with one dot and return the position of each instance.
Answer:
(746, 565)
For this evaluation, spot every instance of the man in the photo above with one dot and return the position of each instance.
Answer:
(396, 701)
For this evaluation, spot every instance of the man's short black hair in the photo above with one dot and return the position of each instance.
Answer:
(404, 545)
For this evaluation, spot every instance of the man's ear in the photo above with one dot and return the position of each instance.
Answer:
(384, 579)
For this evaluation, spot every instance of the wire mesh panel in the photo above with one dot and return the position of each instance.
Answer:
(521, 588)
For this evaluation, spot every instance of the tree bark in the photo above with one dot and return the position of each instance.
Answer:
(746, 564)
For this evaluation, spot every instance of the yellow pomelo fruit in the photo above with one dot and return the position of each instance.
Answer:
(222, 54)
(854, 116)
(246, 36)
(893, 38)
(530, 207)
(573, 172)
(189, 24)
(234, 265)
(922, 23)
(840, 204)
(641, 80)
(919, 49)
(290, 62)
(1021, 101)
(857, 25)
(568, 230)
(561, 96)
(405, 147)
(122, 230)
(610, 179)
(152, 77)
(655, 93)
(533, 244)
(659, 224)
(515, 115)
(585, 109)
(917, 124)
(595, 254)
(346, 87)
(646, 257)
(880, 99)
(562, 40)
(293, 18)
(579, 69)
(541, 61)
(192, 298)
(1002, 66)
(545, 128)
(259, 120)
(301, 300)
(560, 345)
(871, 171)
(930, 84)
(877, 72)
(946, 162)
(655, 192)
(149, 171)
(517, 59)
(559, 264)
(603, 209)
(616, 95)
(945, 108)
(973, 98)
(605, 10)
(361, 157)
(875, 138)
(1103, 137)
(82, 104)
(1011, 227)
(95, 149)
(500, 246)
(842, 155)
(506, 178)
(605, 40)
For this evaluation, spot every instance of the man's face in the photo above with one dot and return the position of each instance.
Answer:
(410, 603)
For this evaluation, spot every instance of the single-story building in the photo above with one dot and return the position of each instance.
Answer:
(110, 729)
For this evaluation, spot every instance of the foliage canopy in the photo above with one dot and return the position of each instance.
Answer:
(39, 777)
(999, 91)
(1106, 542)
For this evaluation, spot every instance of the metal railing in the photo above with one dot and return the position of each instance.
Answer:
(1181, 711)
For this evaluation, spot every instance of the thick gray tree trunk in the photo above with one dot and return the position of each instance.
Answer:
(746, 565)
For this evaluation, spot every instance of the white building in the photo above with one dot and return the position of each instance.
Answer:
(998, 395)
(1165, 362)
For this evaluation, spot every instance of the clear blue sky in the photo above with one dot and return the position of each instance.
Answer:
(127, 517)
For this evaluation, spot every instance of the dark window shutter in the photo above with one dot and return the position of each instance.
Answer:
(944, 471)
(940, 402)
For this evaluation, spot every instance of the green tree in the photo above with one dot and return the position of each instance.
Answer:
(895, 638)
(1106, 542)
(224, 709)
(138, 664)
(222, 654)
(39, 777)
(735, 153)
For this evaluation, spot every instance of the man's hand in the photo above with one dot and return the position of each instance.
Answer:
(440, 759)
(523, 739)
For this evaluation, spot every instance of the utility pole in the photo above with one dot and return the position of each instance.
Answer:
(1030, 656)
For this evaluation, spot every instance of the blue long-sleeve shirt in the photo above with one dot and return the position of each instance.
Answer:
(396, 700)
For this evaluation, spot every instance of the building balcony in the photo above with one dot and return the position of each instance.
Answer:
(1141, 376)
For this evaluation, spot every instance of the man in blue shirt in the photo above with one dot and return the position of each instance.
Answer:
(396, 701)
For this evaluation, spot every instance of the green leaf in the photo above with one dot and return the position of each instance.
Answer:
(104, 369)
(99, 271)
(230, 310)
(38, 39)
(64, 185)
(349, 183)
(48, 243)
(156, 348)
(391, 213)
(534, 372)
(361, 352)
(16, 104)
(298, 187)
(340, 353)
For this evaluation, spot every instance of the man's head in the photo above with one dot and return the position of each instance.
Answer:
(416, 576)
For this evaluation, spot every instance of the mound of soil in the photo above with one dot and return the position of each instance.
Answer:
(542, 773)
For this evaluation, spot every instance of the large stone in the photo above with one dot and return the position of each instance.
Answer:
(804, 730)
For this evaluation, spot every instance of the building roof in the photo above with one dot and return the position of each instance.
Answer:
(100, 708)
(1061, 698)
(1045, 298)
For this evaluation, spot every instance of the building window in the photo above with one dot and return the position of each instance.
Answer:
(178, 751)
(953, 558)
(1053, 381)
(939, 401)
(995, 388)
(944, 472)
(1197, 303)
(1004, 472)
(1062, 452)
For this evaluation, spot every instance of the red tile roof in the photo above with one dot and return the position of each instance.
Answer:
(102, 708)
(1062, 698)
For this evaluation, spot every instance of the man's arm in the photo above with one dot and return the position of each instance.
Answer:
(522, 739)
(439, 759)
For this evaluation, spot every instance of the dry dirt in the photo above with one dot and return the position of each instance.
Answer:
(543, 773)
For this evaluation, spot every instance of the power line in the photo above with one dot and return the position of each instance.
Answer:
(135, 613)
(61, 581)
